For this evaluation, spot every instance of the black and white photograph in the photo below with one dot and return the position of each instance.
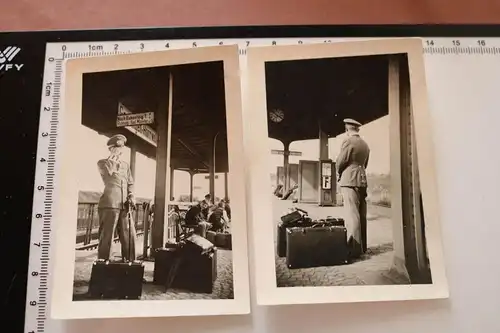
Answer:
(344, 179)
(153, 157)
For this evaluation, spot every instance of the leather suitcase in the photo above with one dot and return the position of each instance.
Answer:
(197, 271)
(292, 217)
(223, 240)
(211, 236)
(281, 234)
(335, 221)
(164, 261)
(116, 280)
(316, 246)
(197, 245)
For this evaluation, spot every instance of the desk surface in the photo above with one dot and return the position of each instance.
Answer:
(96, 14)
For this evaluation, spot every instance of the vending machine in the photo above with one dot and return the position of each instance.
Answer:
(328, 182)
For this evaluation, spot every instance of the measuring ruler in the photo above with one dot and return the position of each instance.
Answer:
(37, 302)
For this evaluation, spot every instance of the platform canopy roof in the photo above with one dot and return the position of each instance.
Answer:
(198, 109)
(322, 92)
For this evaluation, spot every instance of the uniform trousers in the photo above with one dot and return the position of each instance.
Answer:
(355, 218)
(109, 220)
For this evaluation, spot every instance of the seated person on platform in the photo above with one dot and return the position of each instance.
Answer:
(195, 218)
(206, 203)
(227, 208)
(218, 218)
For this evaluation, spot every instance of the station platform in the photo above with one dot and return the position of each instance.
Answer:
(223, 286)
(374, 268)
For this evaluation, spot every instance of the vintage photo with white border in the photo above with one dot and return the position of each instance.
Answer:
(150, 187)
(343, 187)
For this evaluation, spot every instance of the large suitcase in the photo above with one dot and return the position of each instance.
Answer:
(281, 234)
(164, 262)
(196, 272)
(116, 280)
(316, 246)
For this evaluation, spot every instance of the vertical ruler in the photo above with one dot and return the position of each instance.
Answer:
(43, 200)
(37, 302)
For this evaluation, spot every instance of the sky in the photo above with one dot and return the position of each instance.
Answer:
(92, 147)
(376, 134)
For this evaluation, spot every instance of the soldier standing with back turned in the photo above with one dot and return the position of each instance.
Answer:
(351, 166)
(115, 202)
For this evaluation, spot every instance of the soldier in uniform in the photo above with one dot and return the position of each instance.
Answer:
(115, 202)
(351, 163)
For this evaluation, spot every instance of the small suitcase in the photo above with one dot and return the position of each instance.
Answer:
(116, 280)
(164, 261)
(316, 246)
(335, 221)
(197, 245)
(197, 271)
(223, 240)
(292, 217)
(211, 236)
(281, 234)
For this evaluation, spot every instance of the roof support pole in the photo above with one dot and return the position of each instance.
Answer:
(191, 184)
(162, 183)
(172, 194)
(226, 187)
(323, 144)
(133, 156)
(211, 170)
(286, 166)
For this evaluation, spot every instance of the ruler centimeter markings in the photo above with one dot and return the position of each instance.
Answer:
(37, 297)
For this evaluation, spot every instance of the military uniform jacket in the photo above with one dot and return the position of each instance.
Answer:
(352, 162)
(118, 183)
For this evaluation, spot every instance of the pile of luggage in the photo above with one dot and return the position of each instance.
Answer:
(190, 264)
(311, 243)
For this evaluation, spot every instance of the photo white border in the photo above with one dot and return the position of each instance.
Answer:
(66, 191)
(267, 292)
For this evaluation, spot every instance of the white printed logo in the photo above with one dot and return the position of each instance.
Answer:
(6, 57)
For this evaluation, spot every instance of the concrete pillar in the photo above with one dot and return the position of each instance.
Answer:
(226, 187)
(164, 117)
(286, 163)
(414, 246)
(394, 103)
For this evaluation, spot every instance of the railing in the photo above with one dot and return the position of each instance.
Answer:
(88, 225)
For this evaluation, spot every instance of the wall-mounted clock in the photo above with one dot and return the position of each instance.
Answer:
(276, 115)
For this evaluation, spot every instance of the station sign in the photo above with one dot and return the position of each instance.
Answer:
(282, 152)
(146, 118)
(145, 132)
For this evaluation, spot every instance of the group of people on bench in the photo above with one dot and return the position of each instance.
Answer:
(206, 215)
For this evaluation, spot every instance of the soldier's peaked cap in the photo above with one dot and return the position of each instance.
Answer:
(352, 122)
(118, 140)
